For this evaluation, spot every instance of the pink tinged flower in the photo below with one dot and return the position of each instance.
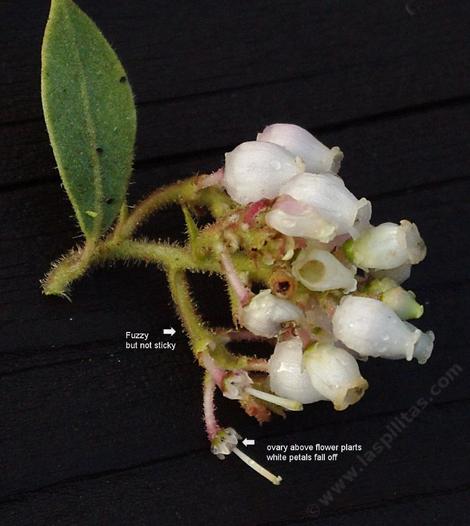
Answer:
(371, 328)
(293, 218)
(325, 202)
(265, 314)
(256, 170)
(387, 246)
(318, 270)
(300, 142)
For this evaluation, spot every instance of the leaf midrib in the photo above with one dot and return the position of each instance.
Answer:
(90, 126)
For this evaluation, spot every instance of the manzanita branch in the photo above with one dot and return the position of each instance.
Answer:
(283, 222)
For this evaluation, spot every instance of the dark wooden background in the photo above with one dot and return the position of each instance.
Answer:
(93, 434)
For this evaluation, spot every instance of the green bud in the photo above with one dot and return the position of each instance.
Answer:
(403, 303)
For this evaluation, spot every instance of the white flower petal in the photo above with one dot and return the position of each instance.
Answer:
(328, 196)
(300, 142)
(318, 270)
(424, 346)
(335, 374)
(362, 222)
(398, 274)
(265, 313)
(256, 170)
(371, 328)
(287, 376)
(292, 218)
(387, 246)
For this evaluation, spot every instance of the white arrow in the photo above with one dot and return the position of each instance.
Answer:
(170, 331)
(248, 442)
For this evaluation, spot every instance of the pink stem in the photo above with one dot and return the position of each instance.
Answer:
(216, 373)
(258, 365)
(242, 335)
(242, 292)
(212, 427)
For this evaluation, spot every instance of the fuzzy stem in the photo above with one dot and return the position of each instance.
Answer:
(75, 264)
(242, 335)
(191, 321)
(212, 427)
(68, 269)
(216, 373)
(257, 365)
(216, 201)
(233, 279)
(188, 191)
(162, 254)
(181, 191)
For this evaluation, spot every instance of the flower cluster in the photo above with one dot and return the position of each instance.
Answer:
(334, 293)
(306, 272)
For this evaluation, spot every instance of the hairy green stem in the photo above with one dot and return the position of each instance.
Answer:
(181, 191)
(186, 192)
(199, 336)
(74, 265)
(68, 269)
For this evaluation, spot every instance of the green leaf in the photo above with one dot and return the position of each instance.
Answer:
(90, 116)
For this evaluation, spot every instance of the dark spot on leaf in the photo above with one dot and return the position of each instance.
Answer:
(123, 79)
(109, 201)
(99, 150)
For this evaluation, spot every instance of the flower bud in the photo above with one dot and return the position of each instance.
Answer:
(256, 170)
(317, 157)
(318, 270)
(334, 373)
(287, 376)
(387, 246)
(265, 313)
(402, 301)
(325, 197)
(372, 328)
